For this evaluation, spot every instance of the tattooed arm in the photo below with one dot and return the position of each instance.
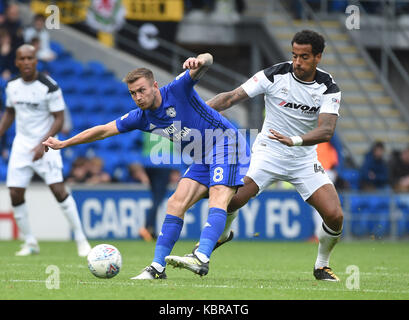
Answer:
(225, 100)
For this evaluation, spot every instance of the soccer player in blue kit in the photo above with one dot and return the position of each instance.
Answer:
(177, 112)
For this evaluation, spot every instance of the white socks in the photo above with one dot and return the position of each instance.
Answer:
(317, 221)
(21, 217)
(227, 228)
(69, 208)
(157, 266)
(202, 257)
(328, 238)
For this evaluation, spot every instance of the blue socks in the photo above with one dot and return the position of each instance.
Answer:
(171, 228)
(212, 230)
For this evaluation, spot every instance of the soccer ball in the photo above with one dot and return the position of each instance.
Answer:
(104, 261)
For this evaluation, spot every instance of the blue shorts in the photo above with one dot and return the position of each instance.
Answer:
(218, 174)
(228, 167)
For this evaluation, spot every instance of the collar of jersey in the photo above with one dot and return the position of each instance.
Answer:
(303, 82)
(30, 82)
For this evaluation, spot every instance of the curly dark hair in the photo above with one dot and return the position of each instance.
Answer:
(313, 38)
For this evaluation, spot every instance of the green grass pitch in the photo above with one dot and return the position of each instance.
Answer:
(240, 270)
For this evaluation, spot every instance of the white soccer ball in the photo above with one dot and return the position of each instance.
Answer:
(104, 261)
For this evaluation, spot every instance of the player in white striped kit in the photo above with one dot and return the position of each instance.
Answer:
(36, 102)
(302, 103)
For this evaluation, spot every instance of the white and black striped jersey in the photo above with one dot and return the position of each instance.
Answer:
(33, 103)
(292, 106)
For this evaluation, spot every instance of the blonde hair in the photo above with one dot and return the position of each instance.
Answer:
(138, 73)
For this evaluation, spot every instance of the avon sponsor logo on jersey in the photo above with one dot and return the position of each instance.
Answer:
(304, 108)
(27, 103)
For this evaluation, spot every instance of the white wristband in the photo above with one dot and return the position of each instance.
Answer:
(297, 140)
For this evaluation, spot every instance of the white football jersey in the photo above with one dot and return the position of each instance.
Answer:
(292, 106)
(33, 103)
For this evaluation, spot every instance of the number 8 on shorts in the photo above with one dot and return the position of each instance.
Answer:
(218, 174)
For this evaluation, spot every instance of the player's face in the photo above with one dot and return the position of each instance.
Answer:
(26, 63)
(143, 92)
(304, 61)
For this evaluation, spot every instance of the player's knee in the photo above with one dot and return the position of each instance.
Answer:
(241, 198)
(335, 219)
(59, 192)
(17, 197)
(177, 205)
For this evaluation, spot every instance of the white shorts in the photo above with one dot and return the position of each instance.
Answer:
(20, 169)
(306, 175)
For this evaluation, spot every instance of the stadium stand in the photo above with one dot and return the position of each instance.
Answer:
(89, 90)
(95, 95)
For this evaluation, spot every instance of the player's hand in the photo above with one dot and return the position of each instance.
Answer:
(193, 63)
(280, 138)
(38, 152)
(52, 143)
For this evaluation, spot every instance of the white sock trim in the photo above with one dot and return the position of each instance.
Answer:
(229, 220)
(202, 257)
(157, 266)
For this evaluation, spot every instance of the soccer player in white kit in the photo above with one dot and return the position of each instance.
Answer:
(302, 103)
(36, 102)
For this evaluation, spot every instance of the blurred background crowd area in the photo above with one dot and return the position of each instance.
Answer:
(370, 150)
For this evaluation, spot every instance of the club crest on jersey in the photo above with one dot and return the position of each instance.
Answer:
(171, 112)
(284, 91)
(316, 98)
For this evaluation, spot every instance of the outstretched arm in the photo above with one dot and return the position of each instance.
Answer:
(322, 133)
(199, 65)
(225, 100)
(90, 135)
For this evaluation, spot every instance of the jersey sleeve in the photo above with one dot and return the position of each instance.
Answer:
(130, 121)
(182, 84)
(331, 100)
(256, 85)
(56, 101)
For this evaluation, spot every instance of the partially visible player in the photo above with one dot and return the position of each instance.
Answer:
(302, 103)
(177, 112)
(36, 102)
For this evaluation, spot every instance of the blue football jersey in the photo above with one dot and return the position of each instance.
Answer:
(184, 118)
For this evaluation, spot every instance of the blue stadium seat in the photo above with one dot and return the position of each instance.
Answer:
(57, 47)
(109, 87)
(360, 210)
(122, 90)
(65, 67)
(97, 71)
(88, 87)
(80, 122)
(66, 169)
(68, 85)
(351, 176)
(402, 204)
(96, 106)
(379, 219)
